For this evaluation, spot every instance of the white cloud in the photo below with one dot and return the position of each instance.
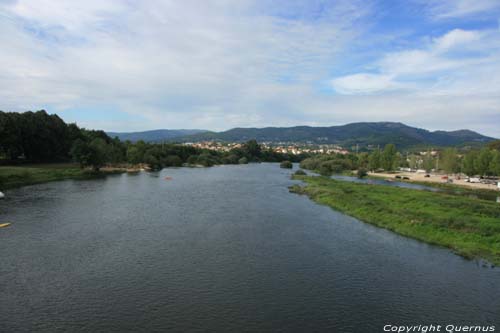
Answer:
(363, 83)
(162, 58)
(447, 9)
(221, 63)
(455, 38)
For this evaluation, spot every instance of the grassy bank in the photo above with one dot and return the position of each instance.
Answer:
(17, 176)
(469, 227)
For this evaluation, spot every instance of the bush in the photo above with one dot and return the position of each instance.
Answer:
(362, 173)
(300, 172)
(172, 160)
(243, 160)
(286, 165)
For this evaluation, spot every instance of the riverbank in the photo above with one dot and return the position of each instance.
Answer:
(17, 176)
(434, 179)
(469, 227)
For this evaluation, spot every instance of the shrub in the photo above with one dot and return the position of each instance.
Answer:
(286, 165)
(362, 173)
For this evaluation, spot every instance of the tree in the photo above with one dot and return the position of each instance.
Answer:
(495, 145)
(92, 154)
(388, 158)
(428, 162)
(413, 163)
(172, 160)
(482, 161)
(468, 163)
(80, 153)
(362, 173)
(134, 156)
(449, 160)
(363, 160)
(494, 168)
(374, 160)
(98, 153)
(251, 150)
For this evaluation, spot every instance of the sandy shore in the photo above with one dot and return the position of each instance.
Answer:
(420, 177)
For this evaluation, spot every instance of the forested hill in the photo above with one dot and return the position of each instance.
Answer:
(363, 134)
(154, 135)
(40, 137)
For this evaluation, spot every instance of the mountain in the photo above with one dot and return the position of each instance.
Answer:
(154, 135)
(362, 134)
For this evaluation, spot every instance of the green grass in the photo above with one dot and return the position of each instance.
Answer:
(470, 227)
(17, 176)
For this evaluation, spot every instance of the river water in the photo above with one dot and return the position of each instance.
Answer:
(219, 249)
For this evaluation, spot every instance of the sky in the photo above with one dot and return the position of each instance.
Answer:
(129, 65)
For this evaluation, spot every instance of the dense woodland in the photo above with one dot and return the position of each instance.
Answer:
(37, 137)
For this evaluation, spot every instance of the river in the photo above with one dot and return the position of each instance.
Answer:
(226, 248)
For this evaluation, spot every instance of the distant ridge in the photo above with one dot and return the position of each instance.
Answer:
(154, 135)
(362, 134)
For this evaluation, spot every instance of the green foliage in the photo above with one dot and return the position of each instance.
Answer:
(468, 226)
(468, 163)
(494, 145)
(449, 160)
(327, 165)
(494, 167)
(286, 165)
(243, 160)
(388, 158)
(172, 161)
(11, 177)
(374, 160)
(362, 173)
(300, 172)
(482, 162)
(428, 162)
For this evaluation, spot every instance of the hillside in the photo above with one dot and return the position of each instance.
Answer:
(154, 135)
(363, 134)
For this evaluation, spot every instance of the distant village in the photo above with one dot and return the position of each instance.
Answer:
(294, 149)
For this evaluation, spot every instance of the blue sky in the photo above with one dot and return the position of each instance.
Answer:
(137, 65)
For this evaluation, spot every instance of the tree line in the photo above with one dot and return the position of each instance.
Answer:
(474, 162)
(38, 137)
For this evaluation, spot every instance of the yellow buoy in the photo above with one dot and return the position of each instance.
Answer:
(3, 225)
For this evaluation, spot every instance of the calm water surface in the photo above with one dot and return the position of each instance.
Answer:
(219, 249)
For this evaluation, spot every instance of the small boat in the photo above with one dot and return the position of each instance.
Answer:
(168, 178)
(3, 225)
(2, 195)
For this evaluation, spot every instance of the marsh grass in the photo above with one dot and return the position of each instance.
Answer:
(470, 227)
(16, 176)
